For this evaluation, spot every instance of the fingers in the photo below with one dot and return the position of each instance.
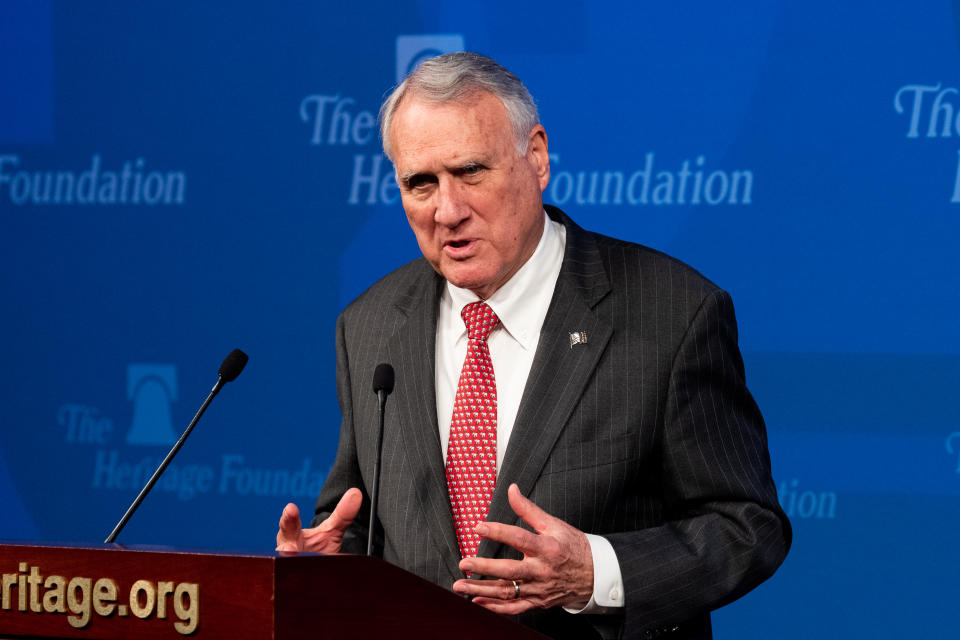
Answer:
(556, 568)
(494, 568)
(527, 510)
(289, 537)
(506, 607)
(324, 538)
(516, 537)
(528, 543)
(499, 596)
(497, 589)
(513, 597)
(345, 511)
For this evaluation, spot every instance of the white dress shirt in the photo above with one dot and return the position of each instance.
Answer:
(521, 304)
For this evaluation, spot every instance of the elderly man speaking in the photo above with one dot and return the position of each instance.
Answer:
(572, 440)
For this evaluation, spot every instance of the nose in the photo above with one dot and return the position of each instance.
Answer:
(452, 207)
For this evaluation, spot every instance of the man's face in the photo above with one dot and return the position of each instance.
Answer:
(473, 203)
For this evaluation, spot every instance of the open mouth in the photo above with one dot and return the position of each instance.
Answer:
(458, 244)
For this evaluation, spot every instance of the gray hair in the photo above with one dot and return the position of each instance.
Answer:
(455, 76)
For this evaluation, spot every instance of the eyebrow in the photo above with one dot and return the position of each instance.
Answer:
(404, 178)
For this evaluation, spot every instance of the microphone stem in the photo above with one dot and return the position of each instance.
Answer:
(375, 493)
(163, 465)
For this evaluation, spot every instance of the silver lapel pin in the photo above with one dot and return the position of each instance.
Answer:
(577, 337)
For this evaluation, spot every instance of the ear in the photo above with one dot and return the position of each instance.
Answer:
(538, 156)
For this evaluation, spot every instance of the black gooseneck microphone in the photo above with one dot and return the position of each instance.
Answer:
(232, 365)
(382, 386)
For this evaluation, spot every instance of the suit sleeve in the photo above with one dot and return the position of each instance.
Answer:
(724, 532)
(345, 472)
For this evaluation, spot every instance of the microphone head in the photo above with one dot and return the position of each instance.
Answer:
(383, 378)
(232, 365)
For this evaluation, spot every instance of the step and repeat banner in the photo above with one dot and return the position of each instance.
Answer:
(178, 179)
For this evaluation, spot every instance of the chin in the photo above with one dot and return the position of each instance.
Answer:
(458, 275)
(464, 281)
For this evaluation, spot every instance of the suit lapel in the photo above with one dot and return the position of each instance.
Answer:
(560, 372)
(413, 346)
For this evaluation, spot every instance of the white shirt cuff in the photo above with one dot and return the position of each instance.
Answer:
(607, 581)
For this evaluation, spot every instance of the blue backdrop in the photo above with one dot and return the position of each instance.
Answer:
(178, 179)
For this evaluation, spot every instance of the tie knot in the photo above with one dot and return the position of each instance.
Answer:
(480, 320)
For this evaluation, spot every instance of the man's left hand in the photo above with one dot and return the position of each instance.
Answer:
(556, 569)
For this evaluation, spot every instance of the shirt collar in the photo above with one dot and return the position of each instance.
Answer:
(522, 302)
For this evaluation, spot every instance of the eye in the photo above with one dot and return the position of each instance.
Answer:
(472, 169)
(419, 181)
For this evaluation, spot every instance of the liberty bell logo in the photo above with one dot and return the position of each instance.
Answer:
(151, 388)
(414, 49)
(955, 436)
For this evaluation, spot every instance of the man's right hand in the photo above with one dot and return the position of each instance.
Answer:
(325, 537)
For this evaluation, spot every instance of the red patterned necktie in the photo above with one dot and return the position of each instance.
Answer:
(472, 448)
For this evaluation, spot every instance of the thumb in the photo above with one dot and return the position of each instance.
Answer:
(346, 510)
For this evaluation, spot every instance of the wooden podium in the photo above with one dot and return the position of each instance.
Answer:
(111, 591)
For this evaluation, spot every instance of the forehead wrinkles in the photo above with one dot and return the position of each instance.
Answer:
(471, 129)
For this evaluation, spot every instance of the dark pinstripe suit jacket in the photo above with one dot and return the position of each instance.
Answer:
(646, 434)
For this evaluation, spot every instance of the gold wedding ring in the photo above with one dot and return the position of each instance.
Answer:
(516, 589)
